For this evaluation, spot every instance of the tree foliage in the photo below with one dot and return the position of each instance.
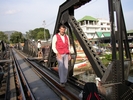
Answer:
(38, 33)
(3, 36)
(16, 37)
(47, 34)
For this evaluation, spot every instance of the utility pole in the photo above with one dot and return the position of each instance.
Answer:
(44, 30)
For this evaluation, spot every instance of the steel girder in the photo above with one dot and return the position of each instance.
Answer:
(117, 72)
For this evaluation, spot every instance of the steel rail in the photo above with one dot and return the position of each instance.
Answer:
(78, 85)
(51, 85)
(46, 79)
(51, 81)
(44, 72)
(21, 95)
(26, 92)
(54, 83)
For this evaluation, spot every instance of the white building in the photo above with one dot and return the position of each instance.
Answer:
(95, 28)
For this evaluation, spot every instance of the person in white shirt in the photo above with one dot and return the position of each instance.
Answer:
(39, 45)
(61, 47)
(39, 49)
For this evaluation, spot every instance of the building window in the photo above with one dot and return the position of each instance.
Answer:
(95, 23)
(91, 22)
(108, 23)
(82, 23)
(86, 22)
(108, 28)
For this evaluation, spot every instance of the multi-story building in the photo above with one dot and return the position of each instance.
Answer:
(94, 27)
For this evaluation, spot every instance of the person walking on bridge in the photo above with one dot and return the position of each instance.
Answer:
(61, 47)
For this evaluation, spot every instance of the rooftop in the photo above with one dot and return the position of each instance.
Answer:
(88, 18)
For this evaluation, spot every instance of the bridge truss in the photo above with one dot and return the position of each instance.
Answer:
(116, 74)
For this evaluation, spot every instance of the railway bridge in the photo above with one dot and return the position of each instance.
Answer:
(25, 76)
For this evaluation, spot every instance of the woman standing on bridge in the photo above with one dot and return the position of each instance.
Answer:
(61, 46)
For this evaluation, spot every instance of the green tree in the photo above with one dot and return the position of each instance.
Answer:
(47, 34)
(3, 36)
(16, 37)
(32, 34)
(38, 33)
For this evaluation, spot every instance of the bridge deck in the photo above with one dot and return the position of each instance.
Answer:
(40, 90)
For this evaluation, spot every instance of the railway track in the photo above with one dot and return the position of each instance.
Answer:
(26, 79)
(70, 92)
(22, 87)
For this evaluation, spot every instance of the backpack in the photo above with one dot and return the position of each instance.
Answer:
(90, 92)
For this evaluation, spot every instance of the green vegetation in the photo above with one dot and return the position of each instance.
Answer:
(38, 33)
(16, 37)
(3, 37)
(106, 59)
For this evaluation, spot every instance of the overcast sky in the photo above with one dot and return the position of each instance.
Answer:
(25, 15)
